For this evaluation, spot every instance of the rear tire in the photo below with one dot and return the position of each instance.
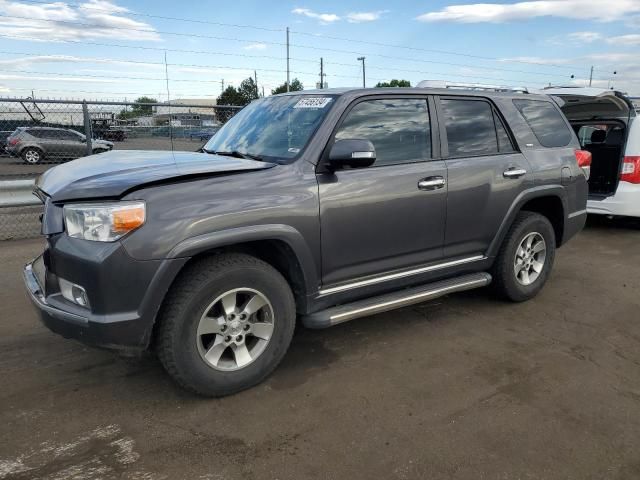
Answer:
(525, 259)
(226, 324)
(32, 155)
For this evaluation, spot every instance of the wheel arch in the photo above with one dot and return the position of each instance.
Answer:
(282, 246)
(548, 200)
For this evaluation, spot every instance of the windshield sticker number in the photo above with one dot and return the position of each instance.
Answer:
(313, 102)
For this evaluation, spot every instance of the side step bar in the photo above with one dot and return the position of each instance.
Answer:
(390, 301)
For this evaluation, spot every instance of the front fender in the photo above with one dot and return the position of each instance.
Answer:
(234, 236)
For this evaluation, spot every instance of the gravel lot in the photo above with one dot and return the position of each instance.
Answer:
(465, 387)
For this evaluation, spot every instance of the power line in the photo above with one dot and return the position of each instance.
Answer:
(162, 17)
(133, 29)
(312, 47)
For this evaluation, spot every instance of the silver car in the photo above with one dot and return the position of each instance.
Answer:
(35, 144)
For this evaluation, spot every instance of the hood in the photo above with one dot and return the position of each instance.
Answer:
(113, 173)
(590, 103)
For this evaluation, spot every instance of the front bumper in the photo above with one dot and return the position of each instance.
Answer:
(125, 335)
(124, 294)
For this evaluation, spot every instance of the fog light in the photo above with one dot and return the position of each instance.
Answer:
(74, 293)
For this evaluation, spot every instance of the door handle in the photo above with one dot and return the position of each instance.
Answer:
(514, 172)
(431, 183)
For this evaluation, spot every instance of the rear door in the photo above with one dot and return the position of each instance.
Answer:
(486, 173)
(384, 217)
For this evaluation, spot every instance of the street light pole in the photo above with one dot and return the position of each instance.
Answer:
(364, 78)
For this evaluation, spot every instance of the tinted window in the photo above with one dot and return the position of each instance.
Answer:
(398, 128)
(546, 122)
(470, 128)
(504, 141)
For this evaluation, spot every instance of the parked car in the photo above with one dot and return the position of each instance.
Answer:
(115, 134)
(4, 135)
(328, 206)
(35, 144)
(204, 134)
(607, 126)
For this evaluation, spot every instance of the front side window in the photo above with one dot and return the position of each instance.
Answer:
(398, 128)
(470, 128)
(546, 122)
(274, 128)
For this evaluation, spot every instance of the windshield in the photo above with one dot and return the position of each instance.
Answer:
(274, 128)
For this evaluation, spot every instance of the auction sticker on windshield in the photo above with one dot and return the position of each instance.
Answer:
(312, 102)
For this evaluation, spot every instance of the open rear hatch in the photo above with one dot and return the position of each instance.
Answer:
(600, 119)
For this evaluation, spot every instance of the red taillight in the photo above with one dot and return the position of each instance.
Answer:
(13, 141)
(631, 170)
(583, 157)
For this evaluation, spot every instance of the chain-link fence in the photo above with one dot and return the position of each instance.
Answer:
(37, 134)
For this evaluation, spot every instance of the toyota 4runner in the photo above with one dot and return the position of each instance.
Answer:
(324, 206)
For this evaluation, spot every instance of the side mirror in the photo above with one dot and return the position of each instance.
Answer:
(354, 153)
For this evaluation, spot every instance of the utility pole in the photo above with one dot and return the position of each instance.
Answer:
(262, 91)
(591, 76)
(222, 90)
(255, 76)
(321, 73)
(364, 80)
(287, 59)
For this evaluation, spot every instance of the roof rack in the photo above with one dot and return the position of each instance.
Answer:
(471, 86)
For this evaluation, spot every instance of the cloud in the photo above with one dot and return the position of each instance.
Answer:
(360, 17)
(255, 46)
(60, 78)
(625, 40)
(22, 62)
(324, 18)
(585, 37)
(496, 13)
(60, 21)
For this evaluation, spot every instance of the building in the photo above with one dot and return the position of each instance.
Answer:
(186, 112)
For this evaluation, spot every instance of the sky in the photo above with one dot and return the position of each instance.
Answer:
(99, 49)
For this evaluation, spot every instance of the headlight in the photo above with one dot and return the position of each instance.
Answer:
(103, 222)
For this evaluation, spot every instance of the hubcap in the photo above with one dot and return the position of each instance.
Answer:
(235, 329)
(530, 257)
(32, 156)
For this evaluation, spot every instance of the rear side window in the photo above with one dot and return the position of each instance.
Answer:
(546, 122)
(470, 128)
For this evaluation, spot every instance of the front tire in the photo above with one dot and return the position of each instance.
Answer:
(526, 257)
(226, 324)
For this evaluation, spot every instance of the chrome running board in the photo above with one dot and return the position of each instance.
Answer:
(390, 301)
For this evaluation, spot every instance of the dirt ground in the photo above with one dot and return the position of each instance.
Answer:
(464, 387)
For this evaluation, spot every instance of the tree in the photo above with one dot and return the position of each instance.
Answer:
(248, 90)
(139, 109)
(296, 86)
(394, 83)
(231, 96)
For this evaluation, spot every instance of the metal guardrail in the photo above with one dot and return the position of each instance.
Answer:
(17, 193)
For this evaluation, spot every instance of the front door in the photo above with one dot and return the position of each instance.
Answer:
(390, 215)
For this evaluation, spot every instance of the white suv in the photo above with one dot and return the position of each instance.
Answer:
(607, 126)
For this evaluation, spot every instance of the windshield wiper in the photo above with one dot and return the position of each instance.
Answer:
(237, 154)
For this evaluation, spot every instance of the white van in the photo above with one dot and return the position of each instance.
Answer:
(606, 124)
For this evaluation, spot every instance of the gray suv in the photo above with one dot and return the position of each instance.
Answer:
(35, 144)
(322, 206)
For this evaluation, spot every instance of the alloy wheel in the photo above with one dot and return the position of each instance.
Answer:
(235, 329)
(32, 156)
(529, 259)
